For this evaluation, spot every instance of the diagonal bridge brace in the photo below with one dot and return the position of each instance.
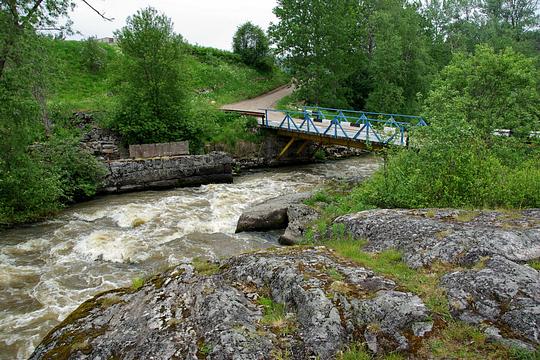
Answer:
(286, 148)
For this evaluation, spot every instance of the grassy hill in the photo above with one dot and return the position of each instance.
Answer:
(214, 76)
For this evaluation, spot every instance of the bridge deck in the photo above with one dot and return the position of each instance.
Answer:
(344, 130)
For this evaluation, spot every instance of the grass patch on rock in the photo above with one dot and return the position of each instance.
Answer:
(275, 316)
(205, 267)
(389, 263)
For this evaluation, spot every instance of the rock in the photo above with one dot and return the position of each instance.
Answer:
(452, 236)
(269, 215)
(299, 216)
(181, 314)
(175, 171)
(504, 295)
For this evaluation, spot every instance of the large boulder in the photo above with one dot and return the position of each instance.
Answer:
(502, 295)
(327, 303)
(269, 215)
(452, 236)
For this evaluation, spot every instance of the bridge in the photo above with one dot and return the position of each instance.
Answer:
(328, 126)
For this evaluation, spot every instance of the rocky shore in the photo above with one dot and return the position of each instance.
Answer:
(308, 302)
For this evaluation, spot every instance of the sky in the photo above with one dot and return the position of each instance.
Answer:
(204, 22)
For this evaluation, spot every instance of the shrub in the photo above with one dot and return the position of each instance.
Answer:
(93, 56)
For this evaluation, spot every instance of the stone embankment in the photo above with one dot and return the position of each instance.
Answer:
(166, 172)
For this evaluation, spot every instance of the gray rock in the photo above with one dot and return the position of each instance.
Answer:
(180, 314)
(158, 173)
(453, 236)
(504, 295)
(300, 216)
(269, 215)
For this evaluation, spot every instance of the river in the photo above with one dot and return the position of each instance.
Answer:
(48, 269)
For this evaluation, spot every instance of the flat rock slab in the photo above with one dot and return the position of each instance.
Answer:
(269, 215)
(328, 302)
(451, 236)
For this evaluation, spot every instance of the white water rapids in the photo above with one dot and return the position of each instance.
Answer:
(47, 270)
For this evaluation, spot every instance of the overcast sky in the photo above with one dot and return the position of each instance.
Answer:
(204, 22)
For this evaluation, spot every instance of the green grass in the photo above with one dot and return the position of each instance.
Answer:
(205, 267)
(535, 264)
(214, 76)
(275, 316)
(389, 263)
(137, 283)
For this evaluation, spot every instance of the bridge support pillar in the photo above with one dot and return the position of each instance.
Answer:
(285, 149)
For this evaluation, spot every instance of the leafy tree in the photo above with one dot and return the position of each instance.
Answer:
(317, 41)
(251, 43)
(152, 90)
(94, 57)
(30, 187)
(489, 91)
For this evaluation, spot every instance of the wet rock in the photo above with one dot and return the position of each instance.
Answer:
(504, 295)
(300, 216)
(269, 215)
(453, 236)
(180, 314)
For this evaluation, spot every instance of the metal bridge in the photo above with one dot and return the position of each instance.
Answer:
(327, 126)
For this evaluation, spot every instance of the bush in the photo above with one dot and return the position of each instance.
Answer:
(251, 43)
(93, 56)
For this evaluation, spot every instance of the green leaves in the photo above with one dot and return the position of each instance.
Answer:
(152, 87)
(251, 43)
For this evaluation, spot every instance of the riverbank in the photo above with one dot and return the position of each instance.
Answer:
(50, 268)
(447, 284)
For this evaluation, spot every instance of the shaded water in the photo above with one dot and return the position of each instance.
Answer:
(48, 269)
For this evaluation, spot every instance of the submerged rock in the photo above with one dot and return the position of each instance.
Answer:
(327, 303)
(269, 215)
(503, 295)
(452, 236)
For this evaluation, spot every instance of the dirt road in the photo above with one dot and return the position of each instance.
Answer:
(266, 101)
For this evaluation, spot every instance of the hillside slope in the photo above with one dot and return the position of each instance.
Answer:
(214, 76)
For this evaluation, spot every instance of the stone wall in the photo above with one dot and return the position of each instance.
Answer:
(104, 144)
(159, 173)
(146, 151)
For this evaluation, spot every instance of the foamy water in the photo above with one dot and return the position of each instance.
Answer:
(48, 269)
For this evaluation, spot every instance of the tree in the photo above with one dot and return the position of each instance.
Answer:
(317, 40)
(152, 89)
(251, 43)
(30, 186)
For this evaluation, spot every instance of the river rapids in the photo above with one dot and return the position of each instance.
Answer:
(48, 269)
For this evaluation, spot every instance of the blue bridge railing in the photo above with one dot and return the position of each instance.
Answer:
(361, 126)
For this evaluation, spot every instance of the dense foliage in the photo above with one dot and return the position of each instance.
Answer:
(459, 161)
(383, 55)
(40, 169)
(251, 44)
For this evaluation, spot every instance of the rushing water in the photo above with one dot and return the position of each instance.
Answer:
(48, 269)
